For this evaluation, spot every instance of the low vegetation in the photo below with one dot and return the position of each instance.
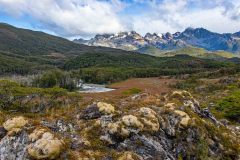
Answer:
(230, 106)
(132, 91)
(15, 97)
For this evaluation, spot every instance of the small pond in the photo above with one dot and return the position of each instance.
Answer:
(94, 88)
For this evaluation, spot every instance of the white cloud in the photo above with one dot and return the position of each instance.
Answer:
(70, 17)
(89, 17)
(176, 15)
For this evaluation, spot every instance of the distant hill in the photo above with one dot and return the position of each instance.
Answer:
(191, 51)
(191, 37)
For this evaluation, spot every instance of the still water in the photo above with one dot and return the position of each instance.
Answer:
(94, 88)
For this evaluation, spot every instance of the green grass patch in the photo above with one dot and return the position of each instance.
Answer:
(132, 91)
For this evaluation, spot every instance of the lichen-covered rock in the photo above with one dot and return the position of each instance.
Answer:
(118, 129)
(181, 95)
(15, 124)
(105, 108)
(91, 112)
(44, 145)
(126, 125)
(14, 147)
(184, 118)
(145, 120)
(132, 121)
(36, 134)
(128, 156)
(97, 110)
(170, 106)
(149, 119)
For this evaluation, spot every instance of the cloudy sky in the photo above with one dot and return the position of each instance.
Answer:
(85, 18)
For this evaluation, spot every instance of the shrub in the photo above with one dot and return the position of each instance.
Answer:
(30, 99)
(230, 106)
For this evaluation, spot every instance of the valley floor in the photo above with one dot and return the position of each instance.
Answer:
(155, 85)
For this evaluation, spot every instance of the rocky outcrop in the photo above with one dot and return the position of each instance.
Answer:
(166, 132)
(174, 128)
(145, 119)
(17, 144)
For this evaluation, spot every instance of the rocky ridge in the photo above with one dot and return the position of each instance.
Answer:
(172, 127)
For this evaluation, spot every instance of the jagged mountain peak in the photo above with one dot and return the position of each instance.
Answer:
(198, 33)
(196, 37)
(153, 36)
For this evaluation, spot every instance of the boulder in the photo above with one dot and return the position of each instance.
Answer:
(44, 145)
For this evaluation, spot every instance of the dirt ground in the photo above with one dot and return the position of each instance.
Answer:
(153, 86)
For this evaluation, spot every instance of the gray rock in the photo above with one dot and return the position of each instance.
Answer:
(149, 148)
(3, 132)
(14, 148)
(60, 126)
(91, 112)
(209, 115)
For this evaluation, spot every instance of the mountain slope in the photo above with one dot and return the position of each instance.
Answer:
(33, 43)
(23, 50)
(27, 42)
(203, 38)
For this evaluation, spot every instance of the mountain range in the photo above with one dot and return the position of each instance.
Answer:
(199, 37)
